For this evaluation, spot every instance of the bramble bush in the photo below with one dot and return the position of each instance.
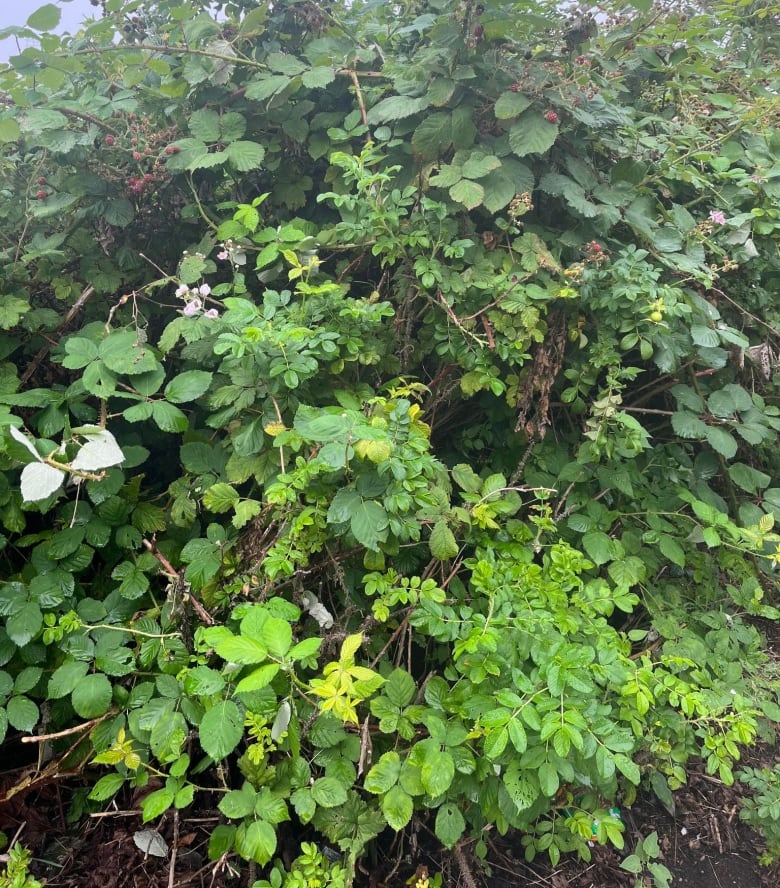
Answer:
(388, 399)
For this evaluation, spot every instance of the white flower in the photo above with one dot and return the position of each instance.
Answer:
(182, 290)
(192, 307)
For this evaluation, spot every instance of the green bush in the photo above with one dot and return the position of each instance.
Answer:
(388, 403)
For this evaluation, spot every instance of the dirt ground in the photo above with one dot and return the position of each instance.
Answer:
(704, 844)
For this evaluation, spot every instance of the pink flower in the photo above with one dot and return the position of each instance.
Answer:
(192, 308)
(223, 255)
(211, 314)
(204, 289)
(182, 290)
(718, 217)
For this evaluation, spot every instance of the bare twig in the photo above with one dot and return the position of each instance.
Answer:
(85, 726)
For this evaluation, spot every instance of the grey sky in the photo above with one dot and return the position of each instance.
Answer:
(16, 12)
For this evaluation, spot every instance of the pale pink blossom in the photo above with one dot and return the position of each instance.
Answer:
(718, 217)
(204, 289)
(192, 307)
(223, 255)
(211, 314)
(182, 290)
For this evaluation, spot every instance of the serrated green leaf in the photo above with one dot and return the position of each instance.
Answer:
(318, 77)
(22, 713)
(188, 386)
(599, 547)
(221, 729)
(256, 840)
(478, 165)
(450, 824)
(442, 542)
(169, 418)
(91, 697)
(721, 441)
(686, 425)
(328, 792)
(396, 108)
(369, 524)
(748, 478)
(433, 137)
(397, 807)
(549, 780)
(470, 194)
(107, 787)
(383, 774)
(510, 104)
(220, 497)
(23, 625)
(245, 156)
(532, 134)
(65, 678)
(437, 773)
(45, 18)
(258, 678)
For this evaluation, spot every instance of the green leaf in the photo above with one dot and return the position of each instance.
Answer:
(245, 156)
(241, 649)
(22, 713)
(442, 542)
(433, 137)
(671, 549)
(24, 624)
(66, 678)
(721, 441)
(532, 134)
(478, 165)
(704, 336)
(437, 773)
(510, 104)
(450, 824)
(256, 840)
(398, 807)
(221, 729)
(125, 352)
(91, 697)
(522, 788)
(220, 497)
(548, 779)
(284, 63)
(396, 108)
(9, 130)
(686, 425)
(328, 792)
(470, 194)
(204, 125)
(258, 679)
(169, 418)
(599, 546)
(399, 688)
(188, 386)
(369, 524)
(107, 787)
(748, 478)
(384, 774)
(266, 86)
(238, 803)
(318, 77)
(157, 803)
(45, 18)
